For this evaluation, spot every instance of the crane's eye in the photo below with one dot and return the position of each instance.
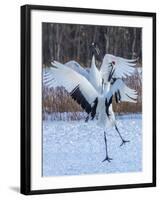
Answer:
(113, 62)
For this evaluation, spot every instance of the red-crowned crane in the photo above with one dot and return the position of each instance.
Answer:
(94, 95)
(112, 68)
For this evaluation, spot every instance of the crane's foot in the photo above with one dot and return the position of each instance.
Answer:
(107, 159)
(124, 142)
(87, 118)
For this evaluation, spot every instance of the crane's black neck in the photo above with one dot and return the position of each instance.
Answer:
(95, 51)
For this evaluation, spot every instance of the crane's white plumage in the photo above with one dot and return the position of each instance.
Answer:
(61, 75)
(122, 67)
(94, 76)
(126, 94)
(78, 68)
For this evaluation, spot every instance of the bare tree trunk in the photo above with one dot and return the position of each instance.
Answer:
(51, 42)
(107, 42)
(57, 46)
(78, 32)
(95, 34)
(134, 43)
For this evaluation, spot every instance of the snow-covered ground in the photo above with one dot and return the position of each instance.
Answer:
(76, 147)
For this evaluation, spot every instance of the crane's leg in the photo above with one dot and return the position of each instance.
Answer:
(107, 157)
(123, 140)
(87, 118)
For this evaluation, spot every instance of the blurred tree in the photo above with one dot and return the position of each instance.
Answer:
(64, 42)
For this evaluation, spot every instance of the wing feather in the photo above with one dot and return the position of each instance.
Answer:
(123, 67)
(77, 85)
(78, 68)
(126, 94)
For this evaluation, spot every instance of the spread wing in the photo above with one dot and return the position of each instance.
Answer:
(77, 85)
(78, 68)
(121, 67)
(122, 92)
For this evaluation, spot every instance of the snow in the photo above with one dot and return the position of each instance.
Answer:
(77, 147)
